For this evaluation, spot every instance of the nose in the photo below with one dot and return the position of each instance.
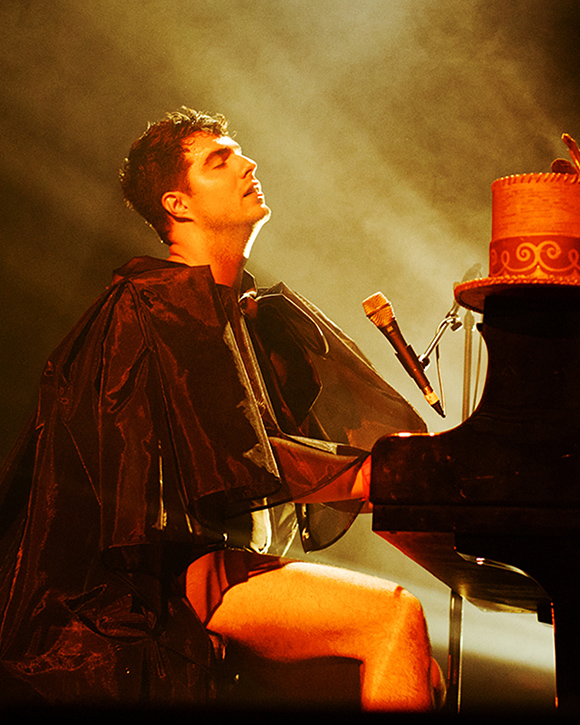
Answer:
(249, 165)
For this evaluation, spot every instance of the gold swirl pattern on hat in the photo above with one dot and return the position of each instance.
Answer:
(544, 257)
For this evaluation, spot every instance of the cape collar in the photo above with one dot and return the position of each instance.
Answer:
(142, 265)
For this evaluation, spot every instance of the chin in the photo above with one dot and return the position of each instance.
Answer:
(267, 212)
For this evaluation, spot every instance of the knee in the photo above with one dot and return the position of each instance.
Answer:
(406, 614)
(403, 601)
(412, 607)
(414, 614)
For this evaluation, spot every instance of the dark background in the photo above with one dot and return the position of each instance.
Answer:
(378, 127)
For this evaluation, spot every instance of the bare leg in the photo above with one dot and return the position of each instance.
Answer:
(304, 611)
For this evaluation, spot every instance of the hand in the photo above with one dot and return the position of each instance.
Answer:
(362, 482)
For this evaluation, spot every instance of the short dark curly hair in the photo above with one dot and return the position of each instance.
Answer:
(156, 162)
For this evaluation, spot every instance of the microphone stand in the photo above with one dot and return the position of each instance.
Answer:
(451, 320)
(454, 662)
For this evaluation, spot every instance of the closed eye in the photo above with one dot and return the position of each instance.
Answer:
(219, 157)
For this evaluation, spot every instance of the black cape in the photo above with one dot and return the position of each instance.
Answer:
(148, 436)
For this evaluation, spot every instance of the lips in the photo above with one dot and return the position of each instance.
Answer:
(254, 189)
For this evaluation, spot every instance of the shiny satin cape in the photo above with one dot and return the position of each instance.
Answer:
(147, 437)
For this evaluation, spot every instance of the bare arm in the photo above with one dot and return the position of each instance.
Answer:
(306, 470)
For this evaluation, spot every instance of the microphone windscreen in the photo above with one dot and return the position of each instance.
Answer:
(378, 309)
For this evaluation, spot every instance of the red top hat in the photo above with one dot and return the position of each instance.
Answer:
(535, 238)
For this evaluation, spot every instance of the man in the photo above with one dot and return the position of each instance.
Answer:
(178, 425)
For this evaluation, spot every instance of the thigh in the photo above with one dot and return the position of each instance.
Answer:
(304, 610)
(209, 577)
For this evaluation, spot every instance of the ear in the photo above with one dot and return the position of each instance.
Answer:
(175, 204)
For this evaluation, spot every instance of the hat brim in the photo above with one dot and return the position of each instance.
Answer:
(472, 294)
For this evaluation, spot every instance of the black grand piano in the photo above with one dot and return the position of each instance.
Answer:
(492, 507)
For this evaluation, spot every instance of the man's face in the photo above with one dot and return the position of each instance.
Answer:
(224, 193)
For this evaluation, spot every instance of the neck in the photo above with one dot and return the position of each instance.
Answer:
(225, 257)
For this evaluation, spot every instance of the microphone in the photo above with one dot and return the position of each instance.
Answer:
(380, 312)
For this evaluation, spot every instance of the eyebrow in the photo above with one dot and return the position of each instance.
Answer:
(222, 153)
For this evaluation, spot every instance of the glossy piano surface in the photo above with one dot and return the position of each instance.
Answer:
(492, 507)
(504, 486)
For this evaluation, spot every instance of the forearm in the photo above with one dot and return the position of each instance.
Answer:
(315, 476)
(352, 485)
